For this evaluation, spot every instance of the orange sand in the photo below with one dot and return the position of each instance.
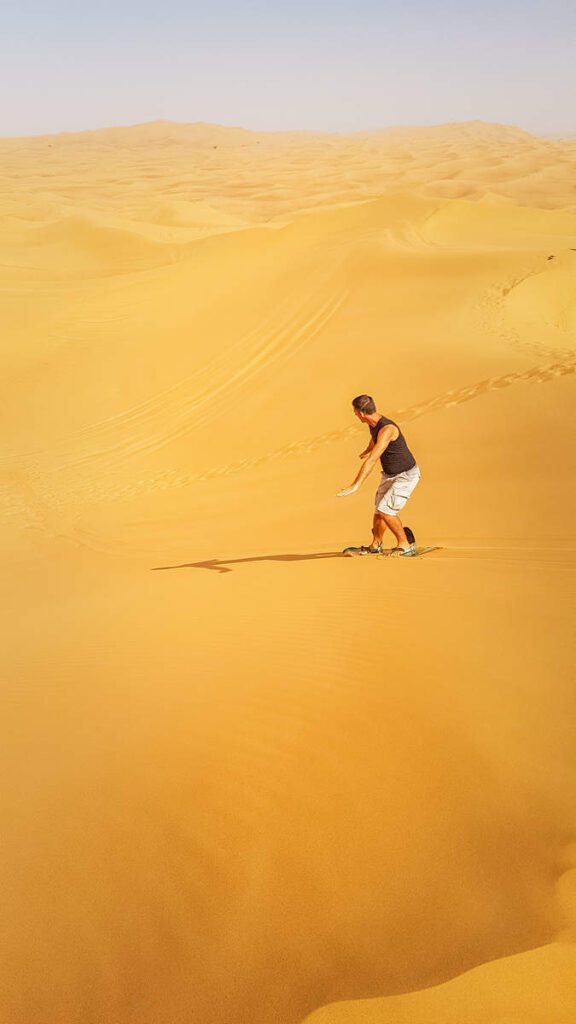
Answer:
(245, 779)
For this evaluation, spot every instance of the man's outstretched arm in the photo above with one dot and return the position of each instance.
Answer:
(387, 434)
(367, 450)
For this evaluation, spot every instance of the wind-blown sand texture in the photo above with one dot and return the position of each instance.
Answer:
(246, 780)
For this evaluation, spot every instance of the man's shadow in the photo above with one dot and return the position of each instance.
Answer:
(221, 564)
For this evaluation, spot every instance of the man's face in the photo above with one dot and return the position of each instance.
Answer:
(361, 416)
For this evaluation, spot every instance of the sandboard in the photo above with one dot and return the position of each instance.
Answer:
(357, 553)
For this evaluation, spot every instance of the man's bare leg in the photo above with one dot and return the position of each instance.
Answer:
(394, 523)
(378, 529)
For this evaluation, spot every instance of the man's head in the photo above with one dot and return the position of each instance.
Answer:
(364, 406)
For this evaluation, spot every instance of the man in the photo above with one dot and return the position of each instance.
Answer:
(400, 474)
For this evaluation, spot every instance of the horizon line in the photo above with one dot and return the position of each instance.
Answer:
(291, 131)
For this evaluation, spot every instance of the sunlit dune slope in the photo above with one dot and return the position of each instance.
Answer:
(251, 780)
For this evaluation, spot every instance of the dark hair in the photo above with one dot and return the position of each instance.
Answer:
(364, 403)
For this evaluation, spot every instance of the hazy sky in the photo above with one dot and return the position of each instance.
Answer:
(339, 66)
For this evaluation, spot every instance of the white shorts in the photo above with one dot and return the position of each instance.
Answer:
(394, 491)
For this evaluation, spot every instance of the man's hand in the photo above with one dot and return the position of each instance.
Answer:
(347, 490)
(365, 454)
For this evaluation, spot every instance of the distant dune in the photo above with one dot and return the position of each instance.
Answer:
(260, 176)
(249, 781)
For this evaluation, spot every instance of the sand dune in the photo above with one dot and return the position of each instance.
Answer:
(251, 780)
(258, 176)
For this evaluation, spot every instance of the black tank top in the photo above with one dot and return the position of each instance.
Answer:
(397, 457)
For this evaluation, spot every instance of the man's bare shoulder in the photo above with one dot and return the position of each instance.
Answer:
(388, 432)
